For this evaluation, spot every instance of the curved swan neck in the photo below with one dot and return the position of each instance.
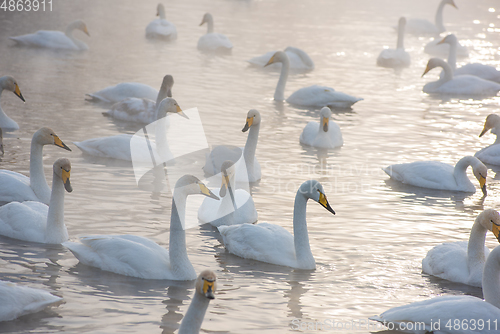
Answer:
(56, 231)
(439, 16)
(177, 245)
(251, 145)
(491, 278)
(69, 30)
(300, 235)
(448, 72)
(191, 323)
(475, 247)
(38, 182)
(279, 94)
(460, 170)
(210, 24)
(401, 36)
(302, 55)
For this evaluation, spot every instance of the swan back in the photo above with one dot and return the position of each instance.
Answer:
(491, 278)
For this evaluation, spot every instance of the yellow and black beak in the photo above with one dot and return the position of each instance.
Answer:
(324, 202)
(205, 191)
(325, 124)
(202, 21)
(86, 31)
(453, 4)
(483, 132)
(248, 124)
(482, 184)
(17, 91)
(496, 231)
(208, 288)
(59, 142)
(270, 61)
(224, 186)
(441, 41)
(179, 111)
(65, 178)
(427, 69)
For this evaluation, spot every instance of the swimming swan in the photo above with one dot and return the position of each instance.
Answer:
(20, 188)
(35, 221)
(221, 153)
(453, 310)
(161, 28)
(299, 60)
(122, 91)
(438, 175)
(463, 261)
(212, 41)
(312, 96)
(141, 257)
(9, 83)
(141, 110)
(396, 57)
(274, 244)
(490, 154)
(55, 39)
(205, 287)
(325, 134)
(425, 27)
(462, 85)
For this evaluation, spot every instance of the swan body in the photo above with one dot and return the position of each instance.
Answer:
(299, 60)
(396, 57)
(140, 257)
(490, 154)
(35, 221)
(462, 85)
(325, 134)
(9, 83)
(205, 287)
(141, 110)
(55, 39)
(161, 28)
(212, 41)
(312, 96)
(219, 154)
(463, 261)
(438, 175)
(20, 188)
(425, 27)
(17, 300)
(454, 309)
(272, 243)
(121, 91)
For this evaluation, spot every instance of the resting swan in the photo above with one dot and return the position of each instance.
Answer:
(236, 205)
(221, 153)
(299, 60)
(438, 175)
(35, 221)
(425, 27)
(55, 39)
(20, 188)
(212, 41)
(312, 96)
(122, 91)
(325, 134)
(396, 57)
(9, 83)
(141, 110)
(463, 261)
(272, 243)
(118, 147)
(17, 300)
(161, 28)
(462, 85)
(141, 257)
(458, 311)
(490, 154)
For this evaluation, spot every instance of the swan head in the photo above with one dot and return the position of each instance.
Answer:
(206, 19)
(480, 172)
(80, 25)
(490, 219)
(191, 185)
(169, 105)
(278, 57)
(433, 63)
(314, 190)
(168, 83)
(253, 118)
(47, 136)
(9, 83)
(450, 2)
(451, 39)
(227, 171)
(62, 168)
(206, 284)
(325, 114)
(492, 121)
(160, 9)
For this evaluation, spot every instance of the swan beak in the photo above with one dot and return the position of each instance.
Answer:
(248, 124)
(483, 132)
(65, 178)
(427, 69)
(325, 124)
(179, 111)
(86, 31)
(453, 4)
(208, 288)
(441, 41)
(17, 91)
(59, 142)
(270, 61)
(205, 191)
(496, 231)
(482, 184)
(324, 202)
(224, 186)
(202, 21)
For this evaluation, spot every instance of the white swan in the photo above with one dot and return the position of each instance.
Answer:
(235, 207)
(490, 154)
(425, 27)
(55, 39)
(438, 175)
(433, 315)
(274, 244)
(119, 146)
(221, 153)
(17, 300)
(299, 60)
(205, 287)
(122, 91)
(312, 96)
(35, 221)
(325, 134)
(20, 188)
(212, 41)
(462, 85)
(9, 83)
(141, 257)
(437, 48)
(396, 57)
(463, 261)
(141, 110)
(161, 28)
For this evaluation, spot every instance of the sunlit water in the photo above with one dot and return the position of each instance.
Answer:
(368, 255)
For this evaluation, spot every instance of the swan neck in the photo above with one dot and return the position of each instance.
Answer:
(56, 230)
(251, 145)
(439, 17)
(38, 182)
(475, 247)
(69, 30)
(161, 13)
(401, 36)
(279, 94)
(460, 171)
(303, 252)
(177, 245)
(448, 72)
(194, 316)
(452, 56)
(210, 25)
(491, 278)
(163, 94)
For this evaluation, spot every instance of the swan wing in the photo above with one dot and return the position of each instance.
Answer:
(489, 154)
(121, 91)
(116, 147)
(161, 28)
(15, 187)
(485, 72)
(218, 155)
(469, 85)
(313, 136)
(46, 39)
(24, 221)
(320, 96)
(133, 110)
(222, 212)
(214, 41)
(393, 58)
(263, 59)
